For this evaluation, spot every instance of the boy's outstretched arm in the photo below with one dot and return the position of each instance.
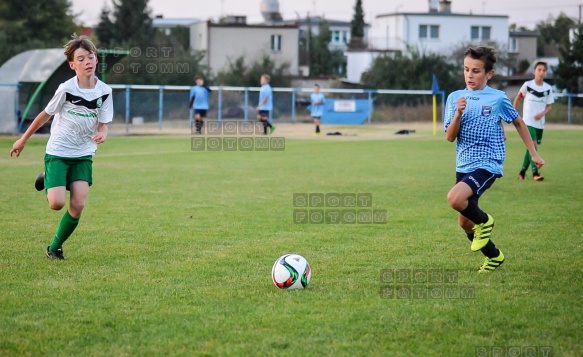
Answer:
(40, 119)
(517, 100)
(525, 136)
(539, 116)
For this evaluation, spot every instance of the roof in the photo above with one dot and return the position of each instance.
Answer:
(162, 22)
(317, 19)
(524, 33)
(32, 66)
(276, 25)
(439, 14)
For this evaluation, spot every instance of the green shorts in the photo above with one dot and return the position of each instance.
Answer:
(536, 134)
(61, 171)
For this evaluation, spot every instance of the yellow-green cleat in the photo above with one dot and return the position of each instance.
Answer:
(491, 263)
(482, 233)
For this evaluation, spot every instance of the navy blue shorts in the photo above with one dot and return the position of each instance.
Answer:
(264, 113)
(479, 180)
(201, 112)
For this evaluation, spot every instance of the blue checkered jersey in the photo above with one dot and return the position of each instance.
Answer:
(201, 97)
(480, 142)
(317, 109)
(266, 91)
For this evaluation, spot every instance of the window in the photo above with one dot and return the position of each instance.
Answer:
(475, 33)
(276, 43)
(513, 45)
(336, 36)
(486, 33)
(480, 33)
(428, 31)
(345, 36)
(434, 31)
(422, 31)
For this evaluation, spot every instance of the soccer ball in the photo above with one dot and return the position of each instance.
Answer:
(291, 271)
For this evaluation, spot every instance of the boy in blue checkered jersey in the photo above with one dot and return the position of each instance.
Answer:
(472, 116)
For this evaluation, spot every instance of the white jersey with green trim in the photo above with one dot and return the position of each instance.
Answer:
(536, 99)
(77, 112)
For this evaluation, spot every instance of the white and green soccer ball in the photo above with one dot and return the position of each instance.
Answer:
(291, 271)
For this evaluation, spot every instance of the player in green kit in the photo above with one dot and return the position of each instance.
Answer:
(538, 100)
(82, 107)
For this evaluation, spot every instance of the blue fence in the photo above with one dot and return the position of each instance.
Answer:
(162, 103)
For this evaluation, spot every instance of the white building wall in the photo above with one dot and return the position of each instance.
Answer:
(229, 43)
(199, 36)
(396, 31)
(358, 63)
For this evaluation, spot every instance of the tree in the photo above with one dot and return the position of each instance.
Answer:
(31, 24)
(554, 33)
(321, 57)
(338, 62)
(241, 74)
(569, 72)
(357, 24)
(130, 23)
(105, 28)
(411, 71)
(357, 27)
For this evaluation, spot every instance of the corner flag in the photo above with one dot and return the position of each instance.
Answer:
(435, 86)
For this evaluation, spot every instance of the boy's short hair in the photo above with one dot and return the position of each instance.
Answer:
(486, 54)
(197, 77)
(541, 63)
(267, 77)
(77, 42)
(317, 85)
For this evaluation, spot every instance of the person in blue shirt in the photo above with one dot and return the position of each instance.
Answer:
(265, 104)
(317, 100)
(199, 102)
(473, 116)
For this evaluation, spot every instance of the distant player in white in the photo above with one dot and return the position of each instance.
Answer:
(538, 100)
(82, 107)
(317, 101)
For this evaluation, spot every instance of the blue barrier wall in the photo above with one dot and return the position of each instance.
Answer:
(346, 111)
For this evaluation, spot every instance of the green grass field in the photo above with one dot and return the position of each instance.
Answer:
(174, 252)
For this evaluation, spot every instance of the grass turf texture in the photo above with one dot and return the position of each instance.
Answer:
(174, 251)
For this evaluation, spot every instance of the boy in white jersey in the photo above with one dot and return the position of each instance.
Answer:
(472, 116)
(317, 101)
(538, 100)
(82, 107)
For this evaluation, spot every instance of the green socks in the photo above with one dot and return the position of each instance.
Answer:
(66, 228)
(527, 162)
